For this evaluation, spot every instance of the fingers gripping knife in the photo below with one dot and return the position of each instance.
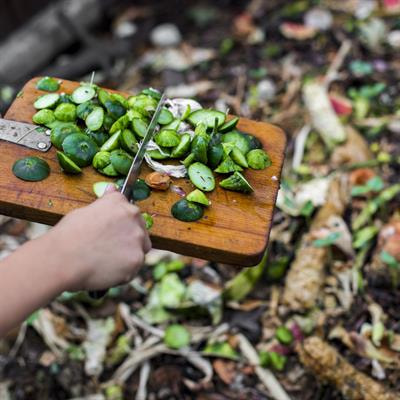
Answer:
(135, 168)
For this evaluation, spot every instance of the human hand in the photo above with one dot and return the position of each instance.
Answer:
(103, 244)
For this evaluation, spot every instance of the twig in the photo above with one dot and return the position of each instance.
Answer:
(18, 342)
(152, 347)
(135, 320)
(266, 376)
(337, 62)
(299, 145)
(144, 377)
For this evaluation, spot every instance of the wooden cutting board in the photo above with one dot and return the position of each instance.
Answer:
(235, 227)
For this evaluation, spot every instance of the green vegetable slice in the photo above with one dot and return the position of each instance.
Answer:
(65, 98)
(199, 148)
(112, 143)
(83, 93)
(143, 103)
(284, 335)
(139, 127)
(80, 149)
(101, 160)
(214, 155)
(258, 159)
(67, 164)
(183, 146)
(121, 161)
(253, 142)
(148, 220)
(159, 155)
(48, 84)
(31, 169)
(84, 109)
(165, 117)
(187, 211)
(119, 99)
(152, 92)
(197, 196)
(115, 108)
(100, 137)
(237, 183)
(176, 336)
(108, 122)
(207, 117)
(109, 171)
(239, 157)
(190, 159)
(120, 124)
(201, 176)
(229, 125)
(128, 141)
(103, 96)
(95, 119)
(228, 166)
(60, 131)
(167, 138)
(99, 188)
(65, 112)
(140, 190)
(239, 139)
(174, 124)
(44, 117)
(46, 101)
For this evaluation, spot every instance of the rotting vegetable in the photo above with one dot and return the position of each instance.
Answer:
(92, 126)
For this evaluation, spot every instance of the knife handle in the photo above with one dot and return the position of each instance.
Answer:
(97, 294)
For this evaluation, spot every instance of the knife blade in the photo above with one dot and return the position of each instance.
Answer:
(134, 171)
(137, 161)
(28, 135)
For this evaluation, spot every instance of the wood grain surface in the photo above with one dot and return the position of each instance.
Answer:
(234, 230)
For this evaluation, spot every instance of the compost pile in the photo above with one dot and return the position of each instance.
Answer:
(318, 318)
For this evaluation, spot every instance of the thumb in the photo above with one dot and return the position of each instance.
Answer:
(110, 188)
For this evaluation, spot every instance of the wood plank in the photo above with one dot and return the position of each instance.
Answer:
(235, 227)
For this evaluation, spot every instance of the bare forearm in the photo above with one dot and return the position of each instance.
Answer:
(30, 278)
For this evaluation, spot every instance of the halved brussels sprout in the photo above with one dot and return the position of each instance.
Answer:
(183, 146)
(80, 149)
(197, 196)
(167, 138)
(31, 169)
(237, 183)
(201, 176)
(187, 211)
(46, 101)
(207, 117)
(121, 161)
(67, 164)
(44, 117)
(228, 166)
(258, 159)
(60, 131)
(65, 112)
(48, 84)
(84, 109)
(83, 93)
(112, 143)
(128, 141)
(101, 159)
